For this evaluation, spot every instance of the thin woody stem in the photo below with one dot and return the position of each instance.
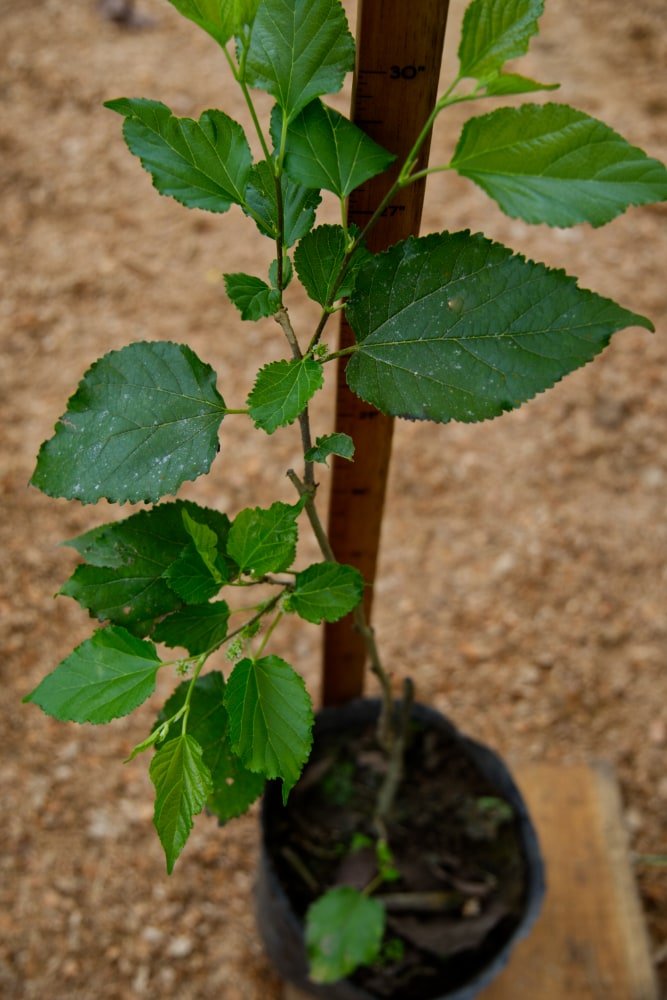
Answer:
(238, 72)
(392, 733)
(269, 632)
(269, 606)
(396, 755)
(392, 726)
(307, 442)
(280, 241)
(304, 490)
(199, 663)
(282, 319)
(343, 353)
(284, 322)
(385, 727)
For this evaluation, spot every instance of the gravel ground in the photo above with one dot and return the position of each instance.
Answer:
(522, 579)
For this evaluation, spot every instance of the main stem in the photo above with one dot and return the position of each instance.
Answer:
(308, 493)
(393, 723)
(392, 727)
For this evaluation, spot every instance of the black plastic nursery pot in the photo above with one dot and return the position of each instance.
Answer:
(461, 836)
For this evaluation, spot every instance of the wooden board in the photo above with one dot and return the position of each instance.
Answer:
(399, 49)
(590, 942)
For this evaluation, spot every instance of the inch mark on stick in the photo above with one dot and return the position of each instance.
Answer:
(407, 72)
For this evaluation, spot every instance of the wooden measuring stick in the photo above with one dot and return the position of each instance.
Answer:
(399, 51)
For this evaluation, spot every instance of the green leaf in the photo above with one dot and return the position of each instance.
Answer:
(147, 535)
(326, 150)
(190, 578)
(550, 163)
(331, 444)
(222, 19)
(144, 745)
(326, 591)
(387, 869)
(105, 677)
(270, 718)
(282, 391)
(298, 50)
(512, 83)
(198, 628)
(143, 421)
(202, 164)
(318, 260)
(299, 203)
(182, 785)
(287, 272)
(234, 787)
(206, 543)
(455, 327)
(201, 568)
(344, 929)
(253, 298)
(264, 540)
(123, 580)
(494, 31)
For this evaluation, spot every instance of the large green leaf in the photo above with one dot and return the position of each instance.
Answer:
(123, 579)
(234, 787)
(105, 677)
(550, 163)
(299, 204)
(182, 784)
(494, 31)
(344, 929)
(143, 421)
(326, 150)
(282, 391)
(319, 258)
(264, 540)
(455, 327)
(202, 164)
(197, 628)
(326, 591)
(299, 49)
(222, 19)
(270, 717)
